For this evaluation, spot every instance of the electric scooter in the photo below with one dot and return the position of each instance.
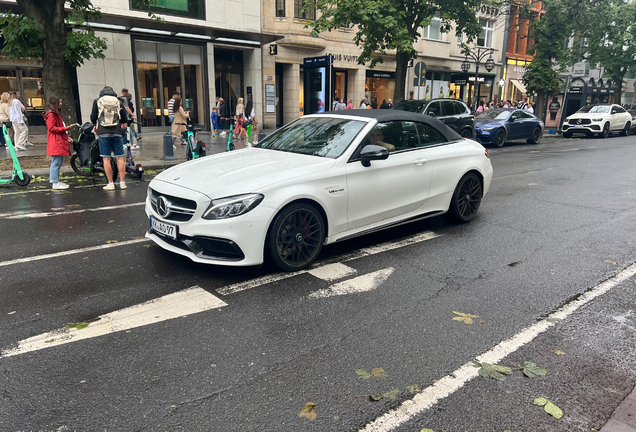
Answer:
(18, 176)
(131, 167)
(87, 161)
(230, 146)
(194, 149)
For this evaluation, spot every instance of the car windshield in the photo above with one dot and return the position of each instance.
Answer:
(594, 109)
(316, 136)
(492, 114)
(415, 107)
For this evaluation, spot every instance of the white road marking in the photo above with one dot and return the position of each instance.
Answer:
(187, 302)
(33, 191)
(332, 272)
(71, 252)
(456, 380)
(384, 247)
(364, 283)
(64, 211)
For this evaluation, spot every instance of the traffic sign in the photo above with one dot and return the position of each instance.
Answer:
(420, 74)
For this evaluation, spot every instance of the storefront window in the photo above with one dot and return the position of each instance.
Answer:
(148, 82)
(188, 8)
(193, 74)
(380, 88)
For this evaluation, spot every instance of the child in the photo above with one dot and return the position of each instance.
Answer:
(241, 132)
(215, 121)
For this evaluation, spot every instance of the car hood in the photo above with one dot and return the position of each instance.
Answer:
(487, 123)
(242, 171)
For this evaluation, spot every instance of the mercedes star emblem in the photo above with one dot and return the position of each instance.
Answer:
(580, 121)
(163, 207)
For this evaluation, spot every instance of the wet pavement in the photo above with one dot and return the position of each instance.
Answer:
(557, 223)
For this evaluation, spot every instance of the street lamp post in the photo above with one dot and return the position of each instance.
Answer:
(478, 56)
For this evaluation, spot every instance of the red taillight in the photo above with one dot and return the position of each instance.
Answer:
(487, 155)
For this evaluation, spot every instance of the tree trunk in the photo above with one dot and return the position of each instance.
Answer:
(618, 82)
(540, 104)
(401, 60)
(56, 73)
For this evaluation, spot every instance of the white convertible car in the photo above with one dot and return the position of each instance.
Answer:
(601, 119)
(321, 179)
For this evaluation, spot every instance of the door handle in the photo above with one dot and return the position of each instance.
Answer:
(420, 162)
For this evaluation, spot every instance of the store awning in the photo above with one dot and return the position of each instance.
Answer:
(519, 85)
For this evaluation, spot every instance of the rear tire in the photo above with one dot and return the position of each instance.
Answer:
(536, 136)
(627, 129)
(22, 182)
(467, 133)
(466, 199)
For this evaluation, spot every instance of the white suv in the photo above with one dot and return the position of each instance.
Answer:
(598, 119)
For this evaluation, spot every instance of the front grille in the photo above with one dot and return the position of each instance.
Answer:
(181, 209)
(207, 247)
(580, 121)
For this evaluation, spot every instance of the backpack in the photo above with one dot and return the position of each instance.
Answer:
(108, 111)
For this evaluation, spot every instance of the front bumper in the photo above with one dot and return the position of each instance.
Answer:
(485, 137)
(585, 129)
(237, 241)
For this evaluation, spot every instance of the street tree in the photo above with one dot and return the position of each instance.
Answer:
(57, 32)
(610, 39)
(384, 25)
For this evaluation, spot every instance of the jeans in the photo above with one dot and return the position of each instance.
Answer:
(56, 163)
(171, 119)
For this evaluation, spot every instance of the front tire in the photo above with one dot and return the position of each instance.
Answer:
(606, 131)
(296, 236)
(467, 133)
(466, 199)
(500, 138)
(22, 182)
(567, 134)
(77, 166)
(536, 136)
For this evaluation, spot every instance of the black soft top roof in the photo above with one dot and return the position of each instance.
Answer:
(385, 115)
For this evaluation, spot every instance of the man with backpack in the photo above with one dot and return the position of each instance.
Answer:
(109, 116)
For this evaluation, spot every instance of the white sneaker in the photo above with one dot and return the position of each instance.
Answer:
(109, 187)
(29, 143)
(223, 133)
(122, 185)
(135, 147)
(60, 185)
(20, 148)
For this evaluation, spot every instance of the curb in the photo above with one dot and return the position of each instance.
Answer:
(149, 165)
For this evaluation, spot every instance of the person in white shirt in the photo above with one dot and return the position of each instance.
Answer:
(20, 129)
(363, 105)
(529, 109)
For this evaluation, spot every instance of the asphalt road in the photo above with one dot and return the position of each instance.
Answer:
(558, 221)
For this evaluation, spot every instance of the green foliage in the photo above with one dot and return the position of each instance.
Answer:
(382, 25)
(549, 407)
(530, 369)
(493, 371)
(22, 36)
(78, 326)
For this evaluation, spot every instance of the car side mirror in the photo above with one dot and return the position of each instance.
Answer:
(613, 112)
(373, 152)
(513, 118)
(431, 113)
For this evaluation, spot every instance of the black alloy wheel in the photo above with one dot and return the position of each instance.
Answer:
(627, 129)
(466, 133)
(500, 138)
(606, 131)
(296, 237)
(466, 199)
(536, 136)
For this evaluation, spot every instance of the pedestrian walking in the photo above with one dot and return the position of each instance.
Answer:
(384, 105)
(175, 94)
(5, 99)
(109, 116)
(20, 129)
(179, 125)
(130, 124)
(239, 119)
(57, 140)
(374, 103)
(334, 104)
(350, 104)
(390, 103)
(363, 104)
(224, 115)
(215, 121)
(481, 108)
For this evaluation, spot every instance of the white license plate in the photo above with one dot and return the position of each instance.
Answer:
(163, 228)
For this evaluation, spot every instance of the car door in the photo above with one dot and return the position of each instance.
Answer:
(464, 117)
(434, 109)
(388, 188)
(529, 123)
(515, 125)
(449, 116)
(620, 116)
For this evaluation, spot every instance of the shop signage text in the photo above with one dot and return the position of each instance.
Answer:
(487, 10)
(581, 69)
(380, 74)
(318, 61)
(344, 57)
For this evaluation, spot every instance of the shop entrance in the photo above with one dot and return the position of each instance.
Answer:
(280, 121)
(163, 68)
(27, 81)
(228, 77)
(340, 83)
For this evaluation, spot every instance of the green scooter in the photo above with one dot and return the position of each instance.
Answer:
(18, 176)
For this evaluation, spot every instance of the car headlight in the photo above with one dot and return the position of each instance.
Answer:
(223, 208)
(567, 119)
(597, 120)
(488, 129)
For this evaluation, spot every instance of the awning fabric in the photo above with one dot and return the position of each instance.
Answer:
(519, 85)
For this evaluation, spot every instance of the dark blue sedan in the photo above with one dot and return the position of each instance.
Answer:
(498, 126)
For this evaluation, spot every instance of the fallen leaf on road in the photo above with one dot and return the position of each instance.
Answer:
(513, 264)
(533, 184)
(413, 389)
(73, 205)
(530, 369)
(493, 371)
(549, 407)
(379, 396)
(559, 352)
(375, 373)
(586, 249)
(11, 313)
(467, 318)
(427, 430)
(111, 221)
(112, 241)
(78, 326)
(307, 411)
(611, 261)
(610, 390)
(363, 374)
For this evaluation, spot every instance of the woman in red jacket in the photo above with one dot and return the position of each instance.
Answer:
(57, 142)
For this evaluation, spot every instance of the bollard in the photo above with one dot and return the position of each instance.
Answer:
(261, 135)
(168, 152)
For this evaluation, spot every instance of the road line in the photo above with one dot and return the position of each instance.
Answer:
(364, 283)
(456, 380)
(35, 215)
(57, 192)
(187, 302)
(72, 252)
(384, 247)
(332, 272)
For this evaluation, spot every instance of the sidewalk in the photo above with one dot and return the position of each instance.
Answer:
(624, 417)
(149, 155)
